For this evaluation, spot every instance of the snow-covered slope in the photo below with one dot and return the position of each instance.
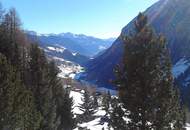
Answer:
(95, 124)
(180, 67)
(181, 72)
(67, 69)
(91, 125)
(63, 53)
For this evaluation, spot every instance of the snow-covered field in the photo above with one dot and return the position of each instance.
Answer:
(67, 69)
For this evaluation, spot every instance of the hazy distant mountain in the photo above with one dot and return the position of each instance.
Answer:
(57, 51)
(169, 17)
(76, 43)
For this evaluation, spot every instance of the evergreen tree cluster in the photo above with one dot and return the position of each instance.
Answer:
(145, 82)
(117, 119)
(106, 102)
(31, 95)
(88, 107)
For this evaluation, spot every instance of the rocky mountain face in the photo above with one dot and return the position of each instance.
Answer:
(167, 17)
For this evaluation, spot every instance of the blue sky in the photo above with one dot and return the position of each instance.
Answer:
(99, 18)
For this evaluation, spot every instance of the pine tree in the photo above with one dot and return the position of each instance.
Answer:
(31, 95)
(117, 116)
(17, 106)
(28, 117)
(6, 92)
(42, 88)
(64, 111)
(87, 108)
(95, 101)
(6, 46)
(10, 28)
(14, 30)
(145, 81)
(16, 110)
(106, 102)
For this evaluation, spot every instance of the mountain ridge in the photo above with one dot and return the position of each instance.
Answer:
(66, 34)
(167, 17)
(77, 43)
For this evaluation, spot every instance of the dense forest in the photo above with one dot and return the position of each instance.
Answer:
(32, 97)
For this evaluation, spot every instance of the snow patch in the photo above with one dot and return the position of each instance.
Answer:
(69, 71)
(62, 49)
(91, 125)
(94, 125)
(74, 54)
(102, 47)
(45, 50)
(57, 58)
(77, 96)
(180, 67)
(187, 126)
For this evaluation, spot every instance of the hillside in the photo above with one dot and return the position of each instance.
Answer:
(167, 17)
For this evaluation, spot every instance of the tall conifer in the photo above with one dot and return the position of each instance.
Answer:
(145, 81)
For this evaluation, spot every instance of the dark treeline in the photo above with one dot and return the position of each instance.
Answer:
(31, 95)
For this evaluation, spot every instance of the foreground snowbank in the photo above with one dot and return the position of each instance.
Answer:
(96, 123)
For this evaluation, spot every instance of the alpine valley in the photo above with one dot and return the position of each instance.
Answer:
(167, 17)
(99, 56)
(137, 81)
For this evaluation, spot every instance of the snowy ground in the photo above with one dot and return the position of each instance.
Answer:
(57, 49)
(77, 96)
(94, 124)
(67, 69)
(188, 127)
